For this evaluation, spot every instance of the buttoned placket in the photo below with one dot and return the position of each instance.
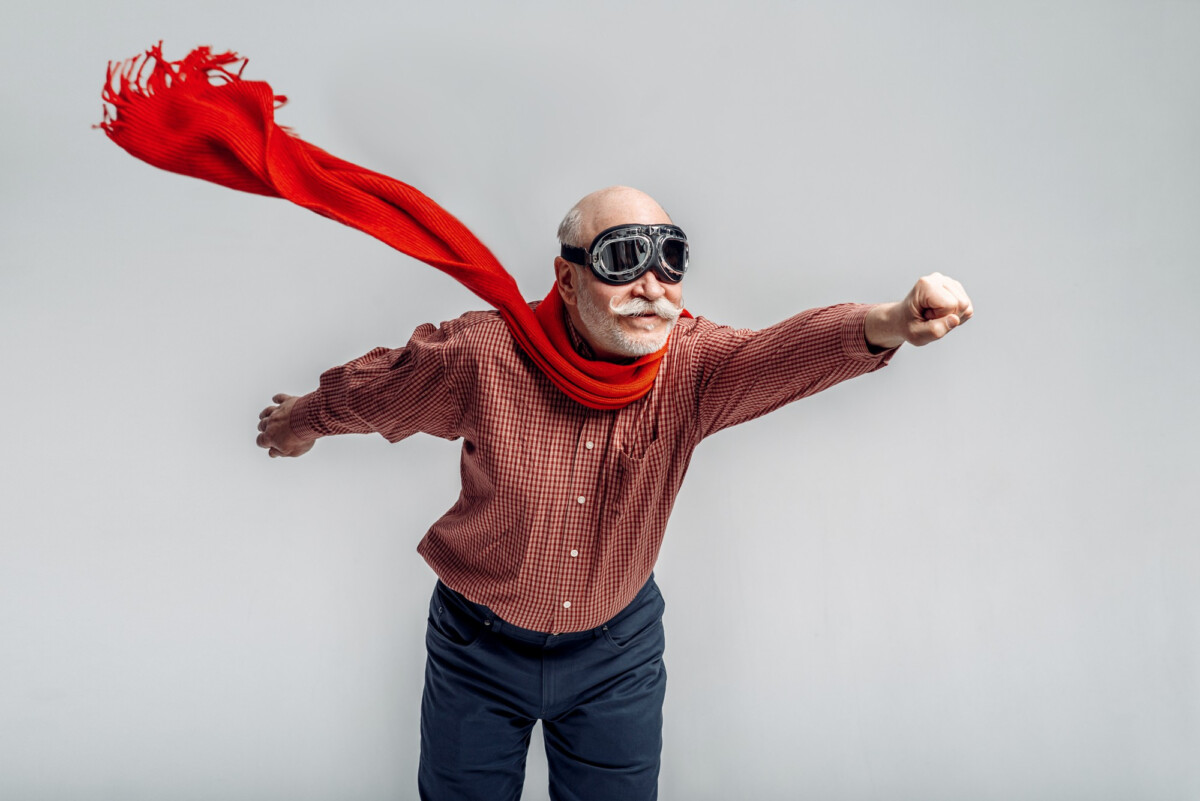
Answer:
(585, 474)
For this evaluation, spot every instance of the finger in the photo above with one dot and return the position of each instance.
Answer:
(960, 296)
(263, 441)
(967, 309)
(274, 453)
(963, 307)
(941, 310)
(267, 412)
(262, 424)
(936, 311)
(280, 397)
(932, 299)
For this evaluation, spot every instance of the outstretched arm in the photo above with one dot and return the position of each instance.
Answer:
(276, 435)
(935, 306)
(393, 392)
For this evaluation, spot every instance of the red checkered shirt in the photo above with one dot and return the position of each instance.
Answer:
(563, 507)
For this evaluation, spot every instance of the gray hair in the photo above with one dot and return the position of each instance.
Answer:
(570, 230)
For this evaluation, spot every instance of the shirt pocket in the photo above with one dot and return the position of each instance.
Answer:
(639, 484)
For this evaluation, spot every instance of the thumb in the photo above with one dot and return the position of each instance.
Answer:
(935, 328)
(947, 324)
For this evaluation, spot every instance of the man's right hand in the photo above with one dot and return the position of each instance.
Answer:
(274, 425)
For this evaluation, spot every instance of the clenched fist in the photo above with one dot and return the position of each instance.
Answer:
(936, 306)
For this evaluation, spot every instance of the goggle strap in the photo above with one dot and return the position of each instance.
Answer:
(575, 255)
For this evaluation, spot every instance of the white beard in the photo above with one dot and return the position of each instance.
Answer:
(606, 328)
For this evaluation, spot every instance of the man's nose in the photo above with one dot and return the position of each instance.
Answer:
(648, 286)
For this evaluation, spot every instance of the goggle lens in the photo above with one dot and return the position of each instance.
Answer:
(675, 257)
(625, 257)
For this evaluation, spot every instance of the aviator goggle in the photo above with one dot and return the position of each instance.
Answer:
(619, 255)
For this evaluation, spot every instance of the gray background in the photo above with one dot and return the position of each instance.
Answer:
(970, 576)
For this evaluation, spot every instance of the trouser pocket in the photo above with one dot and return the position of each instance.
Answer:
(639, 623)
(451, 620)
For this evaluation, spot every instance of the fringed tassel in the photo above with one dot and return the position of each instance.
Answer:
(128, 81)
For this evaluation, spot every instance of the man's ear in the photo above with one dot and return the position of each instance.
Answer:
(565, 279)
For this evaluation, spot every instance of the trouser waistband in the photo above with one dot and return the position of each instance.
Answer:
(498, 625)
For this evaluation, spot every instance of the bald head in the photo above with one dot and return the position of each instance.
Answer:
(616, 205)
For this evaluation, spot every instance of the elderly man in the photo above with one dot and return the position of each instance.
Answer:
(546, 607)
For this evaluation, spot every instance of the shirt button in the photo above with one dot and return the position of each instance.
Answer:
(574, 552)
(589, 445)
(581, 499)
(566, 604)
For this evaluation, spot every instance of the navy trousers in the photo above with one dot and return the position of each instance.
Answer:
(598, 693)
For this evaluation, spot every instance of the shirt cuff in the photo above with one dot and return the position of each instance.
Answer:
(298, 420)
(854, 336)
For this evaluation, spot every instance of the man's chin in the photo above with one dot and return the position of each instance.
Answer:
(646, 340)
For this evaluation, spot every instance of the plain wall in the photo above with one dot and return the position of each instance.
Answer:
(973, 575)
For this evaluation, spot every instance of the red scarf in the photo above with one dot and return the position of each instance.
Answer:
(199, 118)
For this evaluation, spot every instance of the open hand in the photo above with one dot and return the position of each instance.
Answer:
(275, 430)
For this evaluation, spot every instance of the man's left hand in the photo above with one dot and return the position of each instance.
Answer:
(275, 427)
(935, 307)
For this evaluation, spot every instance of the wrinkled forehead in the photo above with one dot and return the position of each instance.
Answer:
(624, 208)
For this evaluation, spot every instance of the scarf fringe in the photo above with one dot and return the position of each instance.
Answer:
(127, 81)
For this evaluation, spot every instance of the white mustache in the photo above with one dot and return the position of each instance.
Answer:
(637, 306)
